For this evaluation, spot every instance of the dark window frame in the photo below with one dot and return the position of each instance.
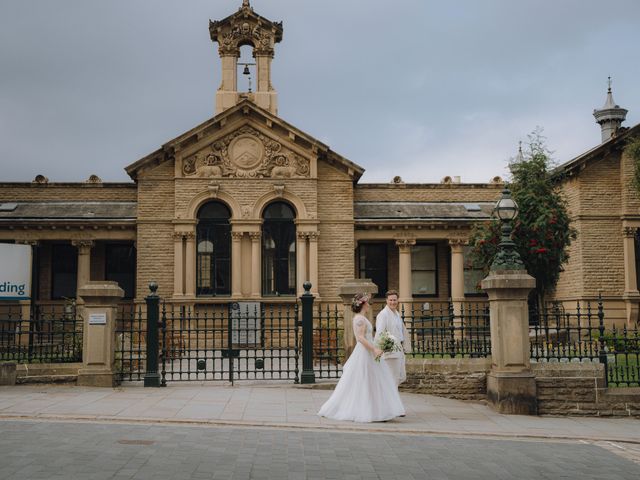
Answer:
(71, 261)
(436, 271)
(279, 273)
(128, 295)
(383, 286)
(468, 267)
(216, 230)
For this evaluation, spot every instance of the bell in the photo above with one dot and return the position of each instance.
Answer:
(246, 70)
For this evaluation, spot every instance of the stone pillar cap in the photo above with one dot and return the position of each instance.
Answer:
(357, 285)
(101, 288)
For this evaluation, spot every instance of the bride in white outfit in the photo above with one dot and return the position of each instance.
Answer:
(367, 390)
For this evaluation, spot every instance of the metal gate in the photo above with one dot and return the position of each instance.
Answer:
(160, 343)
(232, 341)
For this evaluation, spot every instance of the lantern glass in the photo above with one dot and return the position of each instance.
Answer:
(506, 208)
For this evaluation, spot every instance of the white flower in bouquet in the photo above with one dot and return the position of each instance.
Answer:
(388, 343)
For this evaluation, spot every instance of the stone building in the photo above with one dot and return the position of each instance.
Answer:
(246, 206)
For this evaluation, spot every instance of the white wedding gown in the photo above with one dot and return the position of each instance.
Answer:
(367, 391)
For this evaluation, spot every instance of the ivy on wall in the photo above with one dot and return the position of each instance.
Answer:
(632, 149)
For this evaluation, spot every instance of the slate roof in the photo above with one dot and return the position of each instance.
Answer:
(67, 211)
(428, 211)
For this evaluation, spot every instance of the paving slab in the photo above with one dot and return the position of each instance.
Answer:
(289, 406)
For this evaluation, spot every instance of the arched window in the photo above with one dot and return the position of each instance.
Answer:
(279, 250)
(213, 250)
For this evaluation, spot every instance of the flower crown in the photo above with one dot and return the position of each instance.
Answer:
(359, 299)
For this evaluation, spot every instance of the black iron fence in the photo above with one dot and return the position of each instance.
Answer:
(559, 335)
(328, 340)
(448, 330)
(48, 334)
(131, 343)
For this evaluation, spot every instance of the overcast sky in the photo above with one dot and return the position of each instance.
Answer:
(416, 88)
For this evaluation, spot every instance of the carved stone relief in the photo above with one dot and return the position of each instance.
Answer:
(246, 153)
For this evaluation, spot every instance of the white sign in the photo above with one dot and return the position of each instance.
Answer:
(15, 271)
(97, 319)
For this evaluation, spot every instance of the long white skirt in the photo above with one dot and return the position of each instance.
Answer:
(366, 392)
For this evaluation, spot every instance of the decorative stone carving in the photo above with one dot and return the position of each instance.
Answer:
(213, 188)
(255, 236)
(629, 232)
(237, 236)
(246, 212)
(313, 236)
(245, 28)
(82, 243)
(93, 179)
(40, 179)
(177, 236)
(458, 241)
(405, 242)
(246, 153)
(279, 189)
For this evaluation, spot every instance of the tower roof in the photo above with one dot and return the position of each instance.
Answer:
(610, 110)
(245, 27)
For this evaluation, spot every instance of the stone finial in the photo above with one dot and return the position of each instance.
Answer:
(610, 116)
(93, 179)
(40, 179)
(397, 179)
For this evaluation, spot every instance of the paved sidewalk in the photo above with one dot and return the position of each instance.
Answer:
(289, 406)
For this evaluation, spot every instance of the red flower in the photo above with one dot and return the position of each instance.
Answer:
(541, 250)
(533, 242)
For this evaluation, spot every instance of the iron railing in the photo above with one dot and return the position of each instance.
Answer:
(49, 334)
(328, 340)
(559, 335)
(448, 330)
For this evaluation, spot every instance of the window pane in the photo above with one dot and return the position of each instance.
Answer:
(472, 276)
(120, 266)
(373, 265)
(64, 271)
(423, 257)
(214, 211)
(278, 257)
(423, 282)
(213, 257)
(279, 210)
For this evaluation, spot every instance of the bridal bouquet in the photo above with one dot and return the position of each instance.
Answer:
(388, 343)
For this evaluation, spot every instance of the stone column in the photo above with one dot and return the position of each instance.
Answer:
(256, 273)
(511, 385)
(98, 341)
(190, 265)
(631, 295)
(84, 263)
(28, 307)
(457, 280)
(347, 291)
(313, 261)
(404, 277)
(178, 265)
(301, 262)
(236, 264)
(227, 94)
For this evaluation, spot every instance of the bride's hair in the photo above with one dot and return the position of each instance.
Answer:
(358, 301)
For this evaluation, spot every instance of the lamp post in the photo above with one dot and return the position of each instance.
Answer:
(511, 385)
(507, 257)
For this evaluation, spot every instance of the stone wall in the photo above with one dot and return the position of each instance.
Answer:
(578, 389)
(459, 378)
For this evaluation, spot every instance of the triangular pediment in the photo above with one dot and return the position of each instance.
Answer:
(245, 141)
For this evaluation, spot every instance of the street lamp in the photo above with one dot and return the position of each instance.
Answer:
(507, 257)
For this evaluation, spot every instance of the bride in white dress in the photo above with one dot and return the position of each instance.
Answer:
(367, 391)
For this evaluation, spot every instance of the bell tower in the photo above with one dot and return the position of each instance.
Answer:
(245, 27)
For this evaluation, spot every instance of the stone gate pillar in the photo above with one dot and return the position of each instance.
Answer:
(511, 385)
(98, 334)
(347, 291)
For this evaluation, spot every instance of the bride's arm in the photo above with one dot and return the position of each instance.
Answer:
(360, 329)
